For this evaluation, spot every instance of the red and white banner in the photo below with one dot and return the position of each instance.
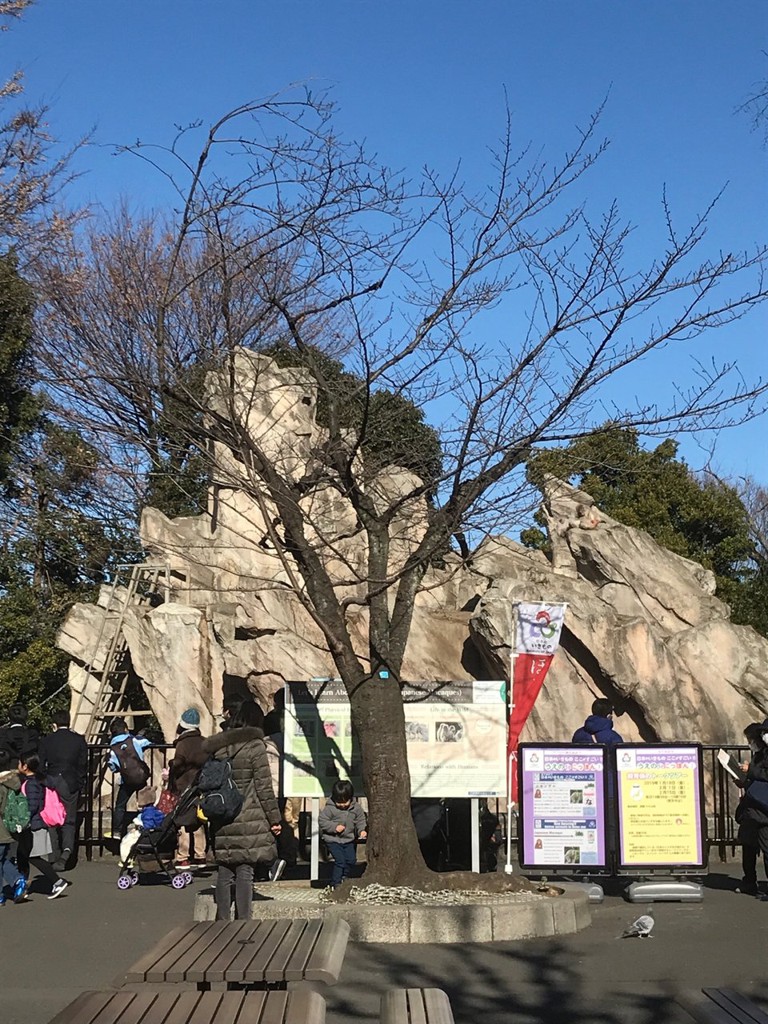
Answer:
(537, 637)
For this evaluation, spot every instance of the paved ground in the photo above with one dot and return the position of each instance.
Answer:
(52, 950)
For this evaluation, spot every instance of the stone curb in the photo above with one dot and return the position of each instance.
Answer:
(474, 922)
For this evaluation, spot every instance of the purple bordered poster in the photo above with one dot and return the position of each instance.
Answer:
(562, 806)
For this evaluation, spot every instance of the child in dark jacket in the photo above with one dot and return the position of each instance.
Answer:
(342, 821)
(35, 842)
(9, 874)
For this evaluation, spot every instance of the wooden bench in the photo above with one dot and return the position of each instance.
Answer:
(416, 1006)
(172, 1006)
(723, 1006)
(259, 954)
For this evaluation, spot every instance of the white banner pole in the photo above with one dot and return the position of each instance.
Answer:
(508, 869)
(314, 855)
(475, 825)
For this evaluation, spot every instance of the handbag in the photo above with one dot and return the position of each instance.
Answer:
(167, 801)
(757, 794)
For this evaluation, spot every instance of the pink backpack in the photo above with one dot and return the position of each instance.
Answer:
(53, 812)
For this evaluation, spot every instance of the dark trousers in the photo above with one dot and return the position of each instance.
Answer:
(344, 859)
(9, 873)
(120, 816)
(287, 847)
(23, 859)
(754, 840)
(63, 838)
(241, 877)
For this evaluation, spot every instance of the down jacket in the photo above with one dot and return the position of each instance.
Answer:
(8, 781)
(248, 839)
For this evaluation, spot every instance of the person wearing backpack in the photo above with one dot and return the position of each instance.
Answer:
(188, 758)
(11, 820)
(35, 842)
(126, 758)
(64, 759)
(249, 840)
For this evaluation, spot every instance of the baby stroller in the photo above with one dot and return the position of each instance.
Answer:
(155, 848)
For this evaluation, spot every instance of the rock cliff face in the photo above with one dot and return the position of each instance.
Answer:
(644, 626)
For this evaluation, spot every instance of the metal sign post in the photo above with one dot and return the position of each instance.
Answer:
(314, 843)
(508, 869)
(475, 827)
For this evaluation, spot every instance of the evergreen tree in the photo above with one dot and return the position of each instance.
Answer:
(695, 516)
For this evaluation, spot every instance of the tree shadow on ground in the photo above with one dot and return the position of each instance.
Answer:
(535, 982)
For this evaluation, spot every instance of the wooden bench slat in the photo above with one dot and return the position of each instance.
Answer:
(188, 1007)
(180, 938)
(736, 1005)
(275, 969)
(438, 1006)
(253, 968)
(296, 966)
(211, 965)
(84, 1009)
(174, 966)
(305, 1007)
(236, 971)
(394, 1006)
(328, 954)
(275, 1011)
(167, 952)
(416, 1006)
(184, 1006)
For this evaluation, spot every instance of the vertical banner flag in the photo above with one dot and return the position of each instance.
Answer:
(537, 637)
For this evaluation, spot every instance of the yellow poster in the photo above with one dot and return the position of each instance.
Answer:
(659, 806)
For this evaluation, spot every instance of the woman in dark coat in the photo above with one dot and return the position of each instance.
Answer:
(751, 815)
(250, 839)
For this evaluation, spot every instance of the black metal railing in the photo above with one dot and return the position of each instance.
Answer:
(101, 791)
(721, 797)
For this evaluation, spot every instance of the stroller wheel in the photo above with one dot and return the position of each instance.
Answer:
(188, 877)
(135, 878)
(178, 881)
(124, 882)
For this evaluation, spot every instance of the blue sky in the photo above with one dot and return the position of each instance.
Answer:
(424, 82)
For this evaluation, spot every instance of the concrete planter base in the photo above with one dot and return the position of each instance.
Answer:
(517, 917)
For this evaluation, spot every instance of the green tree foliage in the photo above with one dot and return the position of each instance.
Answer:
(653, 490)
(390, 428)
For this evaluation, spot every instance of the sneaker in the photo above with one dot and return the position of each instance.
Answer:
(2, 899)
(276, 871)
(182, 865)
(20, 890)
(58, 888)
(748, 888)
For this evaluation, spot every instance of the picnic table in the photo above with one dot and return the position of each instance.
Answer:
(259, 954)
(723, 1006)
(174, 1006)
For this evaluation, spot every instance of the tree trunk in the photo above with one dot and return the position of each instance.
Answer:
(378, 717)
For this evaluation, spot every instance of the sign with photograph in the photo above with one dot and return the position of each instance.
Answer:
(562, 806)
(660, 806)
(456, 734)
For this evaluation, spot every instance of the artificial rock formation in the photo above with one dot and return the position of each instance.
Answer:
(644, 626)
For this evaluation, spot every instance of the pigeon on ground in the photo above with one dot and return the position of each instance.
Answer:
(640, 929)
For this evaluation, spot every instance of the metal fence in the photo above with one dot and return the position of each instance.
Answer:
(720, 798)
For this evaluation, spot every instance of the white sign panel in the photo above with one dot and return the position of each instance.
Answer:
(456, 735)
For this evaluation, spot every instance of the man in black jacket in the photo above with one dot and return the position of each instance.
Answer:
(18, 737)
(64, 758)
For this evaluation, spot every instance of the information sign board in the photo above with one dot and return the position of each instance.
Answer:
(660, 806)
(562, 806)
(456, 734)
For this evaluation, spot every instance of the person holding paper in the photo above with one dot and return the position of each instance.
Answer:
(752, 813)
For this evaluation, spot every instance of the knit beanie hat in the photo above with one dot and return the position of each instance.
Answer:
(190, 719)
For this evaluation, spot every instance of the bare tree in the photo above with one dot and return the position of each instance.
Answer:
(291, 241)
